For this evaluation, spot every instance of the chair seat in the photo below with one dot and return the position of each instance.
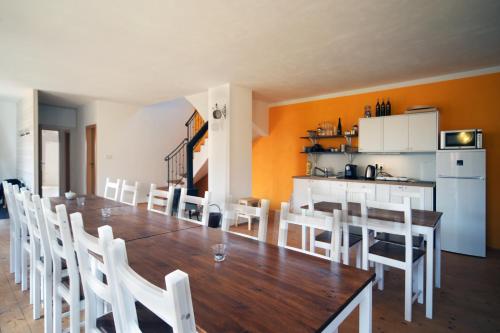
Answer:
(399, 239)
(148, 321)
(393, 251)
(326, 236)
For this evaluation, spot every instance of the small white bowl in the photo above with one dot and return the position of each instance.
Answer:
(70, 195)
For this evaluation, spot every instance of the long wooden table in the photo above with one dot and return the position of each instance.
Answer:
(424, 222)
(258, 288)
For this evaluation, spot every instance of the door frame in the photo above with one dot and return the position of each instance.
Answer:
(90, 188)
(64, 157)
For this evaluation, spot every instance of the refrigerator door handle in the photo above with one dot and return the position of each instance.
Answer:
(454, 177)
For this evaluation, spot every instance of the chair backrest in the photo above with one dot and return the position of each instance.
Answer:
(129, 193)
(337, 196)
(189, 199)
(316, 221)
(416, 197)
(111, 190)
(38, 229)
(173, 304)
(61, 242)
(8, 191)
(395, 227)
(262, 213)
(21, 212)
(94, 288)
(160, 198)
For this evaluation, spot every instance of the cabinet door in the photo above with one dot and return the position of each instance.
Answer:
(383, 192)
(371, 134)
(299, 198)
(369, 189)
(396, 133)
(421, 197)
(423, 131)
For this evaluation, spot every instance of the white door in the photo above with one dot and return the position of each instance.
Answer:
(371, 134)
(423, 131)
(463, 224)
(396, 133)
(50, 173)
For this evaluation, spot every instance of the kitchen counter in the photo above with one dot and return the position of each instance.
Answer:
(361, 180)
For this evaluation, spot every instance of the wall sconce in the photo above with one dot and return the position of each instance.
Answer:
(219, 112)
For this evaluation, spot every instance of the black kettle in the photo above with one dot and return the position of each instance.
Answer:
(370, 172)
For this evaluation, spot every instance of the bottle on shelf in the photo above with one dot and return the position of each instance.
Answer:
(388, 107)
(339, 128)
(382, 108)
(377, 109)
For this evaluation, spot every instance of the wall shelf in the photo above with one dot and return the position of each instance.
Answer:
(319, 137)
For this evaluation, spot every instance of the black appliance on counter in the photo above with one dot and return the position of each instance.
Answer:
(370, 172)
(351, 171)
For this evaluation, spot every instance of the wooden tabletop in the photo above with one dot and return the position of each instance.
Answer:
(424, 218)
(92, 202)
(258, 288)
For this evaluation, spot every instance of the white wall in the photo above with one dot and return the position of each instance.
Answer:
(230, 144)
(8, 120)
(200, 103)
(27, 145)
(419, 166)
(132, 140)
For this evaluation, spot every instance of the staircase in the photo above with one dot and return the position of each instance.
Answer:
(188, 162)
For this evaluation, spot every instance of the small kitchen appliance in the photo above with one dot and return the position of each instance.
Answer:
(350, 171)
(462, 139)
(370, 172)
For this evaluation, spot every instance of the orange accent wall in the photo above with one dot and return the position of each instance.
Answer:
(463, 103)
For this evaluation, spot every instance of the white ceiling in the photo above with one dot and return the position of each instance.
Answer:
(149, 51)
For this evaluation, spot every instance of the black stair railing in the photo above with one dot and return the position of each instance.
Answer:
(180, 160)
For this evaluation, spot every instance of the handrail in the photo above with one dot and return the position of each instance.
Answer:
(173, 152)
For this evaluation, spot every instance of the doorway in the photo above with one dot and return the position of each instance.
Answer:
(90, 138)
(51, 156)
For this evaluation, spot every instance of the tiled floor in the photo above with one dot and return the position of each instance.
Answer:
(469, 300)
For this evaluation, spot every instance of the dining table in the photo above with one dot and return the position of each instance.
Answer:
(259, 287)
(424, 222)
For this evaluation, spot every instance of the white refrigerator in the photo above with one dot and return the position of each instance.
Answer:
(461, 197)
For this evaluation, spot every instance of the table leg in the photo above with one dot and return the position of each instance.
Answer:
(429, 284)
(364, 247)
(304, 237)
(438, 255)
(365, 310)
(345, 246)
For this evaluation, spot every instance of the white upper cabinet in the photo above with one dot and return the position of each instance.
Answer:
(371, 134)
(396, 133)
(423, 131)
(399, 134)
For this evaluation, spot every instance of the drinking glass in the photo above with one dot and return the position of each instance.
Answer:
(80, 201)
(219, 252)
(106, 212)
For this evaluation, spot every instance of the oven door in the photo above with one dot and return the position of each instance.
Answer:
(466, 139)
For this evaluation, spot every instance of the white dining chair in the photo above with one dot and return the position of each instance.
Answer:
(15, 232)
(312, 220)
(25, 239)
(66, 282)
(160, 198)
(403, 257)
(96, 290)
(129, 193)
(233, 211)
(398, 196)
(172, 305)
(112, 189)
(201, 204)
(42, 261)
(322, 240)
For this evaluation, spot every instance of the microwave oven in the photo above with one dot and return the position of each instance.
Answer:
(462, 139)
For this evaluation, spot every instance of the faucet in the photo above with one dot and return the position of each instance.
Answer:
(324, 171)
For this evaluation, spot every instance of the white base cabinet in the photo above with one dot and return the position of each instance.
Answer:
(379, 192)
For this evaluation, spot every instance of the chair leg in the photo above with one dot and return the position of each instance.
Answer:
(24, 270)
(74, 311)
(312, 241)
(57, 311)
(47, 302)
(17, 257)
(37, 292)
(345, 245)
(358, 256)
(379, 272)
(420, 279)
(12, 247)
(408, 292)
(249, 223)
